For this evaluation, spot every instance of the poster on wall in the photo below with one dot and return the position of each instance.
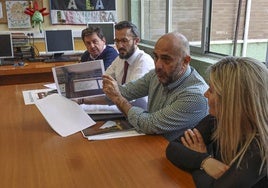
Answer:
(15, 14)
(82, 11)
(3, 15)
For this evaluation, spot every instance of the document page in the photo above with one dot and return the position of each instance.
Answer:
(100, 109)
(30, 96)
(79, 80)
(113, 135)
(64, 116)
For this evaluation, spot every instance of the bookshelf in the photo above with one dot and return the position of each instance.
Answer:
(21, 46)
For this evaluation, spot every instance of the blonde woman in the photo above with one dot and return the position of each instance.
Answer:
(229, 147)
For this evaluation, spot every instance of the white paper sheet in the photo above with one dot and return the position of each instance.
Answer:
(108, 124)
(51, 85)
(115, 135)
(63, 115)
(100, 109)
(30, 96)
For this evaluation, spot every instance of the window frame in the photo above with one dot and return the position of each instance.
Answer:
(204, 49)
(205, 24)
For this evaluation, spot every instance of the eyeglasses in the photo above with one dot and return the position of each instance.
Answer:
(123, 40)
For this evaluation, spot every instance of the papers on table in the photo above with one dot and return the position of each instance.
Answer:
(115, 135)
(63, 115)
(108, 124)
(67, 117)
(100, 109)
(110, 128)
(30, 96)
(51, 85)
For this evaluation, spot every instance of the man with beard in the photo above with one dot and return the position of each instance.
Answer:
(175, 91)
(95, 43)
(132, 63)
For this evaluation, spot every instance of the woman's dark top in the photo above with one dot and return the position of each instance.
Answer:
(247, 175)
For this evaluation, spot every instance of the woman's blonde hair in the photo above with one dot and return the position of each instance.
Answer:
(241, 84)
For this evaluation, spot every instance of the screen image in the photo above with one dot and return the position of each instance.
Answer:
(6, 48)
(107, 29)
(59, 41)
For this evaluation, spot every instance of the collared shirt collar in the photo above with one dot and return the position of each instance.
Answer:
(180, 80)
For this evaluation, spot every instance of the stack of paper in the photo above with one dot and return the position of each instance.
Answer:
(114, 135)
(30, 96)
(100, 109)
(116, 127)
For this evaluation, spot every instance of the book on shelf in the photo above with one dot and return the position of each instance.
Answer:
(19, 39)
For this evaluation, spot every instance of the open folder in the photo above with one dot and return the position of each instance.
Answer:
(110, 127)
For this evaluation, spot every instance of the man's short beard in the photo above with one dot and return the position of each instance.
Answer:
(128, 54)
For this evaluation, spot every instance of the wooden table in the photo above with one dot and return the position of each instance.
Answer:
(29, 73)
(34, 156)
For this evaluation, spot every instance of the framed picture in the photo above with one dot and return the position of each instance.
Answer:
(3, 13)
(16, 18)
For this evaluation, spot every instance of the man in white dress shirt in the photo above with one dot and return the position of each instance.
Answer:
(137, 61)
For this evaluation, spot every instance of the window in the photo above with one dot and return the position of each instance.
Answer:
(227, 27)
(238, 28)
(187, 19)
(151, 18)
(154, 19)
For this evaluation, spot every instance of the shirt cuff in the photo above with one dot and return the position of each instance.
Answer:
(133, 116)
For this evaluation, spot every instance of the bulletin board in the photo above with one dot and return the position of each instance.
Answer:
(16, 18)
(3, 8)
(82, 11)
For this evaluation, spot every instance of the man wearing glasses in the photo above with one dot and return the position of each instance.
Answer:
(132, 63)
